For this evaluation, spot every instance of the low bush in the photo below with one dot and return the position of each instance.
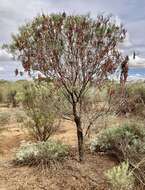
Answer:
(128, 134)
(11, 92)
(41, 153)
(125, 142)
(133, 102)
(120, 177)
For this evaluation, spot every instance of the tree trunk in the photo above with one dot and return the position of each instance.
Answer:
(80, 139)
(78, 123)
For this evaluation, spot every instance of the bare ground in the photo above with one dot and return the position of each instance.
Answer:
(71, 175)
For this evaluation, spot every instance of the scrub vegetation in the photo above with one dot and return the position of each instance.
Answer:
(73, 127)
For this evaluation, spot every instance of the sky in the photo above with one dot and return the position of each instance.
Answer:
(131, 13)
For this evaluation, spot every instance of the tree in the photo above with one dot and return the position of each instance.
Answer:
(75, 51)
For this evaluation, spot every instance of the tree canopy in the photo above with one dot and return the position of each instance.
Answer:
(72, 49)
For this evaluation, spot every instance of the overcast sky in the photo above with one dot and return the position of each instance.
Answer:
(14, 13)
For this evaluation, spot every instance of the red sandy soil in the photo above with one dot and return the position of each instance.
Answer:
(71, 175)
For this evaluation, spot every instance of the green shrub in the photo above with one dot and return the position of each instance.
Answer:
(41, 152)
(120, 177)
(4, 118)
(10, 92)
(128, 134)
(125, 142)
(19, 97)
(42, 106)
(136, 90)
(133, 102)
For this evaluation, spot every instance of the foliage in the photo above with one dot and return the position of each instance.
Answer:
(136, 94)
(137, 89)
(120, 177)
(4, 87)
(41, 152)
(11, 97)
(125, 142)
(95, 105)
(134, 101)
(11, 92)
(106, 139)
(42, 106)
